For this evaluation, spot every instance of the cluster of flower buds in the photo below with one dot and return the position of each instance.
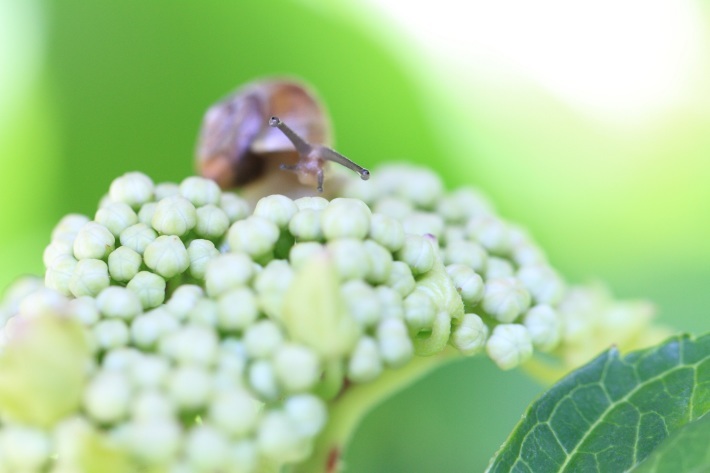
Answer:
(208, 336)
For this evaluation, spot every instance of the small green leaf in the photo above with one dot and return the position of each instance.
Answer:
(684, 451)
(612, 413)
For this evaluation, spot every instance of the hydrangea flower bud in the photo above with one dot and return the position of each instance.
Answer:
(200, 252)
(57, 248)
(118, 302)
(394, 207)
(212, 222)
(262, 338)
(40, 302)
(70, 224)
(470, 335)
(390, 303)
(191, 345)
(346, 218)
(124, 263)
(466, 252)
(305, 225)
(350, 258)
(420, 223)
(237, 309)
(420, 186)
(205, 312)
(544, 325)
(120, 359)
(184, 299)
(146, 213)
(206, 449)
(255, 236)
(271, 285)
(235, 412)
(148, 328)
(149, 373)
(393, 342)
(228, 271)
(509, 345)
(491, 233)
(189, 386)
(505, 299)
(154, 441)
(278, 439)
(24, 448)
(418, 252)
(365, 363)
(174, 216)
(276, 208)
(116, 217)
(387, 231)
(235, 207)
(362, 302)
(301, 253)
(499, 268)
(94, 241)
(545, 286)
(311, 202)
(308, 413)
(419, 311)
(468, 283)
(90, 277)
(262, 379)
(107, 397)
(167, 256)
(149, 287)
(59, 274)
(133, 188)
(462, 204)
(296, 367)
(165, 189)
(401, 278)
(200, 191)
(380, 262)
(84, 310)
(110, 333)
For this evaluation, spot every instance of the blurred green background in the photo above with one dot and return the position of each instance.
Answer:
(89, 90)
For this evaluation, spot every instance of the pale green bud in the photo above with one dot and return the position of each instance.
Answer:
(271, 285)
(350, 258)
(189, 387)
(165, 189)
(387, 231)
(84, 310)
(174, 216)
(152, 404)
(505, 299)
(243, 456)
(24, 449)
(226, 272)
(90, 277)
(167, 256)
(200, 191)
(453, 233)
(419, 311)
(235, 412)
(184, 299)
(393, 207)
(205, 313)
(362, 302)
(154, 441)
(296, 367)
(120, 358)
(364, 364)
(200, 252)
(308, 413)
(116, 216)
(544, 284)
(380, 260)
(42, 301)
(390, 302)
(470, 335)
(393, 342)
(124, 263)
(463, 203)
(544, 325)
(276, 208)
(133, 188)
(107, 397)
(301, 253)
(262, 379)
(467, 282)
(528, 255)
(255, 236)
(305, 225)
(191, 345)
(359, 189)
(491, 233)
(149, 372)
(262, 338)
(146, 213)
(57, 248)
(110, 333)
(118, 302)
(94, 241)
(70, 224)
(346, 218)
(509, 345)
(499, 268)
(418, 252)
(401, 278)
(148, 328)
(149, 287)
(421, 223)
(212, 222)
(312, 203)
(278, 438)
(59, 274)
(468, 253)
(236, 309)
(234, 206)
(420, 186)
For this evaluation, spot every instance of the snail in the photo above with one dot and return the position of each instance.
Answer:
(245, 138)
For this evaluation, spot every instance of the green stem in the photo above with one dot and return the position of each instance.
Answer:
(348, 409)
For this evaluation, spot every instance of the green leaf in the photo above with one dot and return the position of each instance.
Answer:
(612, 413)
(684, 451)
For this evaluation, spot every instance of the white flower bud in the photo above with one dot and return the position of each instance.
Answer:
(350, 258)
(42, 301)
(174, 216)
(528, 255)
(418, 252)
(234, 206)
(419, 311)
(191, 344)
(149, 287)
(466, 252)
(499, 268)
(276, 208)
(59, 274)
(118, 302)
(346, 218)
(271, 285)
(545, 286)
(63, 247)
(305, 225)
(463, 203)
(189, 387)
(200, 191)
(133, 188)
(470, 334)
(184, 299)
(364, 364)
(124, 263)
(262, 338)
(380, 260)
(120, 359)
(244, 456)
(110, 333)
(491, 233)
(301, 253)
(393, 342)
(154, 441)
(90, 277)
(296, 367)
(362, 302)
(206, 449)
(278, 438)
(421, 223)
(24, 449)
(204, 313)
(200, 252)
(387, 231)
(544, 325)
(150, 372)
(148, 328)
(453, 233)
(165, 189)
(420, 186)
(255, 236)
(146, 213)
(393, 207)
(390, 302)
(235, 412)
(237, 309)
(401, 278)
(116, 217)
(505, 299)
(167, 256)
(262, 379)
(467, 282)
(107, 397)
(94, 241)
(84, 310)
(70, 224)
(308, 413)
(137, 237)
(311, 202)
(509, 345)
(212, 222)
(228, 271)
(152, 404)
